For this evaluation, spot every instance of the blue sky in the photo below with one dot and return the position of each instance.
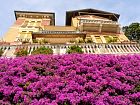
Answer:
(128, 9)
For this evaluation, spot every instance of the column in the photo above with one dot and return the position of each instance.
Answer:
(100, 28)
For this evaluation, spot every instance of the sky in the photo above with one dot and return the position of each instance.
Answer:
(129, 10)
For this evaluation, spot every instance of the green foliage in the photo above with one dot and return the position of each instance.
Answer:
(42, 50)
(132, 31)
(21, 52)
(41, 41)
(74, 49)
(80, 40)
(1, 52)
(137, 88)
(44, 41)
(111, 39)
(35, 41)
(72, 41)
(89, 40)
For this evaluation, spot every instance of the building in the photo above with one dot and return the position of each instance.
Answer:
(87, 23)
(94, 30)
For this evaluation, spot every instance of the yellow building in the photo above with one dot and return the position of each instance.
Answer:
(28, 22)
(95, 31)
(88, 24)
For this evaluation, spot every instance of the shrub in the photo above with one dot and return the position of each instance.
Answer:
(21, 52)
(111, 39)
(74, 49)
(89, 40)
(35, 41)
(42, 50)
(72, 41)
(44, 41)
(1, 52)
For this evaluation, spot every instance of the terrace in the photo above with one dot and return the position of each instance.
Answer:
(94, 48)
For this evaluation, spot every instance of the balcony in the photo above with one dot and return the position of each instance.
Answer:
(99, 26)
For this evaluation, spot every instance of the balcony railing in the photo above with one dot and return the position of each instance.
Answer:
(58, 32)
(98, 21)
(94, 48)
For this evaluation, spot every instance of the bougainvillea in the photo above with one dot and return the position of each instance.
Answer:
(73, 79)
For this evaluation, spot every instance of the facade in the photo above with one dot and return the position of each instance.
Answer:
(94, 30)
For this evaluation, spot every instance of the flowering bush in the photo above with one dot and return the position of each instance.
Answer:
(21, 52)
(74, 49)
(73, 79)
(42, 50)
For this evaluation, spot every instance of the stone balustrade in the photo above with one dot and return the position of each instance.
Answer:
(94, 48)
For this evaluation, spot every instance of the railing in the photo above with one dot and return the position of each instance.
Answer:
(58, 32)
(98, 21)
(33, 29)
(94, 48)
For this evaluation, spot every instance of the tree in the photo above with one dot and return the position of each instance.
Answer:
(132, 31)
